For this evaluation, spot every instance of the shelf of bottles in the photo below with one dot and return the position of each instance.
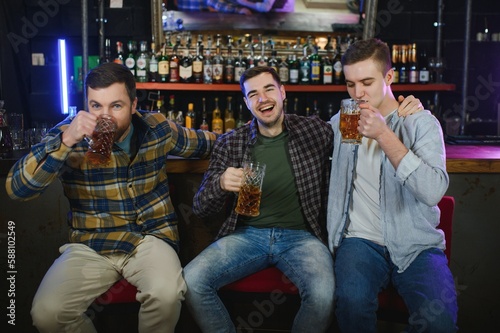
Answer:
(229, 87)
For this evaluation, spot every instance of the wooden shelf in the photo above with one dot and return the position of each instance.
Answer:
(289, 87)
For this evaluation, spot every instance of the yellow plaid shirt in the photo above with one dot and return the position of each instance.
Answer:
(114, 207)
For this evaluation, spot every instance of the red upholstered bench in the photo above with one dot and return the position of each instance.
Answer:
(120, 292)
(271, 279)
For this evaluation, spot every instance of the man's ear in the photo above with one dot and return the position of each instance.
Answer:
(389, 77)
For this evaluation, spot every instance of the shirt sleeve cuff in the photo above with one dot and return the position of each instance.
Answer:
(408, 164)
(56, 148)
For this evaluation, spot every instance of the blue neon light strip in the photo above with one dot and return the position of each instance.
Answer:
(63, 76)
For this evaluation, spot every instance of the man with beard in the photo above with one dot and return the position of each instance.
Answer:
(289, 233)
(122, 221)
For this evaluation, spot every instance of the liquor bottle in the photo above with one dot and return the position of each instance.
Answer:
(251, 57)
(198, 64)
(130, 60)
(190, 116)
(395, 63)
(285, 106)
(217, 123)
(141, 63)
(273, 61)
(308, 111)
(120, 58)
(315, 63)
(305, 68)
(207, 64)
(413, 71)
(423, 75)
(204, 123)
(338, 72)
(295, 106)
(171, 108)
(153, 65)
(294, 68)
(107, 52)
(327, 70)
(217, 64)
(330, 111)
(316, 111)
(298, 45)
(229, 64)
(229, 121)
(403, 69)
(328, 45)
(164, 65)
(262, 59)
(160, 107)
(174, 63)
(179, 118)
(240, 66)
(186, 67)
(240, 121)
(284, 71)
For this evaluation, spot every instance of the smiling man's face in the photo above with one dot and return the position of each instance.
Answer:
(264, 98)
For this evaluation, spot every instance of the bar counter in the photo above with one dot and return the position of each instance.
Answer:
(459, 159)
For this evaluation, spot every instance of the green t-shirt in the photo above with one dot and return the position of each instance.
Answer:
(280, 204)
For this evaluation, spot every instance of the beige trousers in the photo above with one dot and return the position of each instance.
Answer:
(80, 275)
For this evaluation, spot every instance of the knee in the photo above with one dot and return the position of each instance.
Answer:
(46, 315)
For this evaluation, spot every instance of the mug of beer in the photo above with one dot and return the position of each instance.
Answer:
(101, 142)
(251, 189)
(349, 117)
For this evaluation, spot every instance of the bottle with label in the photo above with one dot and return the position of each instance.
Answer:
(153, 65)
(423, 74)
(229, 63)
(284, 71)
(403, 69)
(186, 67)
(142, 62)
(413, 71)
(338, 72)
(164, 65)
(229, 121)
(294, 69)
(395, 63)
(207, 64)
(240, 66)
(315, 63)
(120, 57)
(204, 123)
(130, 60)
(217, 122)
(327, 70)
(198, 64)
(190, 116)
(217, 64)
(305, 68)
(174, 62)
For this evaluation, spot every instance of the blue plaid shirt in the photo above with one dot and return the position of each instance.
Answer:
(113, 207)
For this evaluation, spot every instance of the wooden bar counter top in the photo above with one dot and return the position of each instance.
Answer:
(459, 159)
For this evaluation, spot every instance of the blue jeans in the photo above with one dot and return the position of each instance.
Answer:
(363, 269)
(304, 259)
